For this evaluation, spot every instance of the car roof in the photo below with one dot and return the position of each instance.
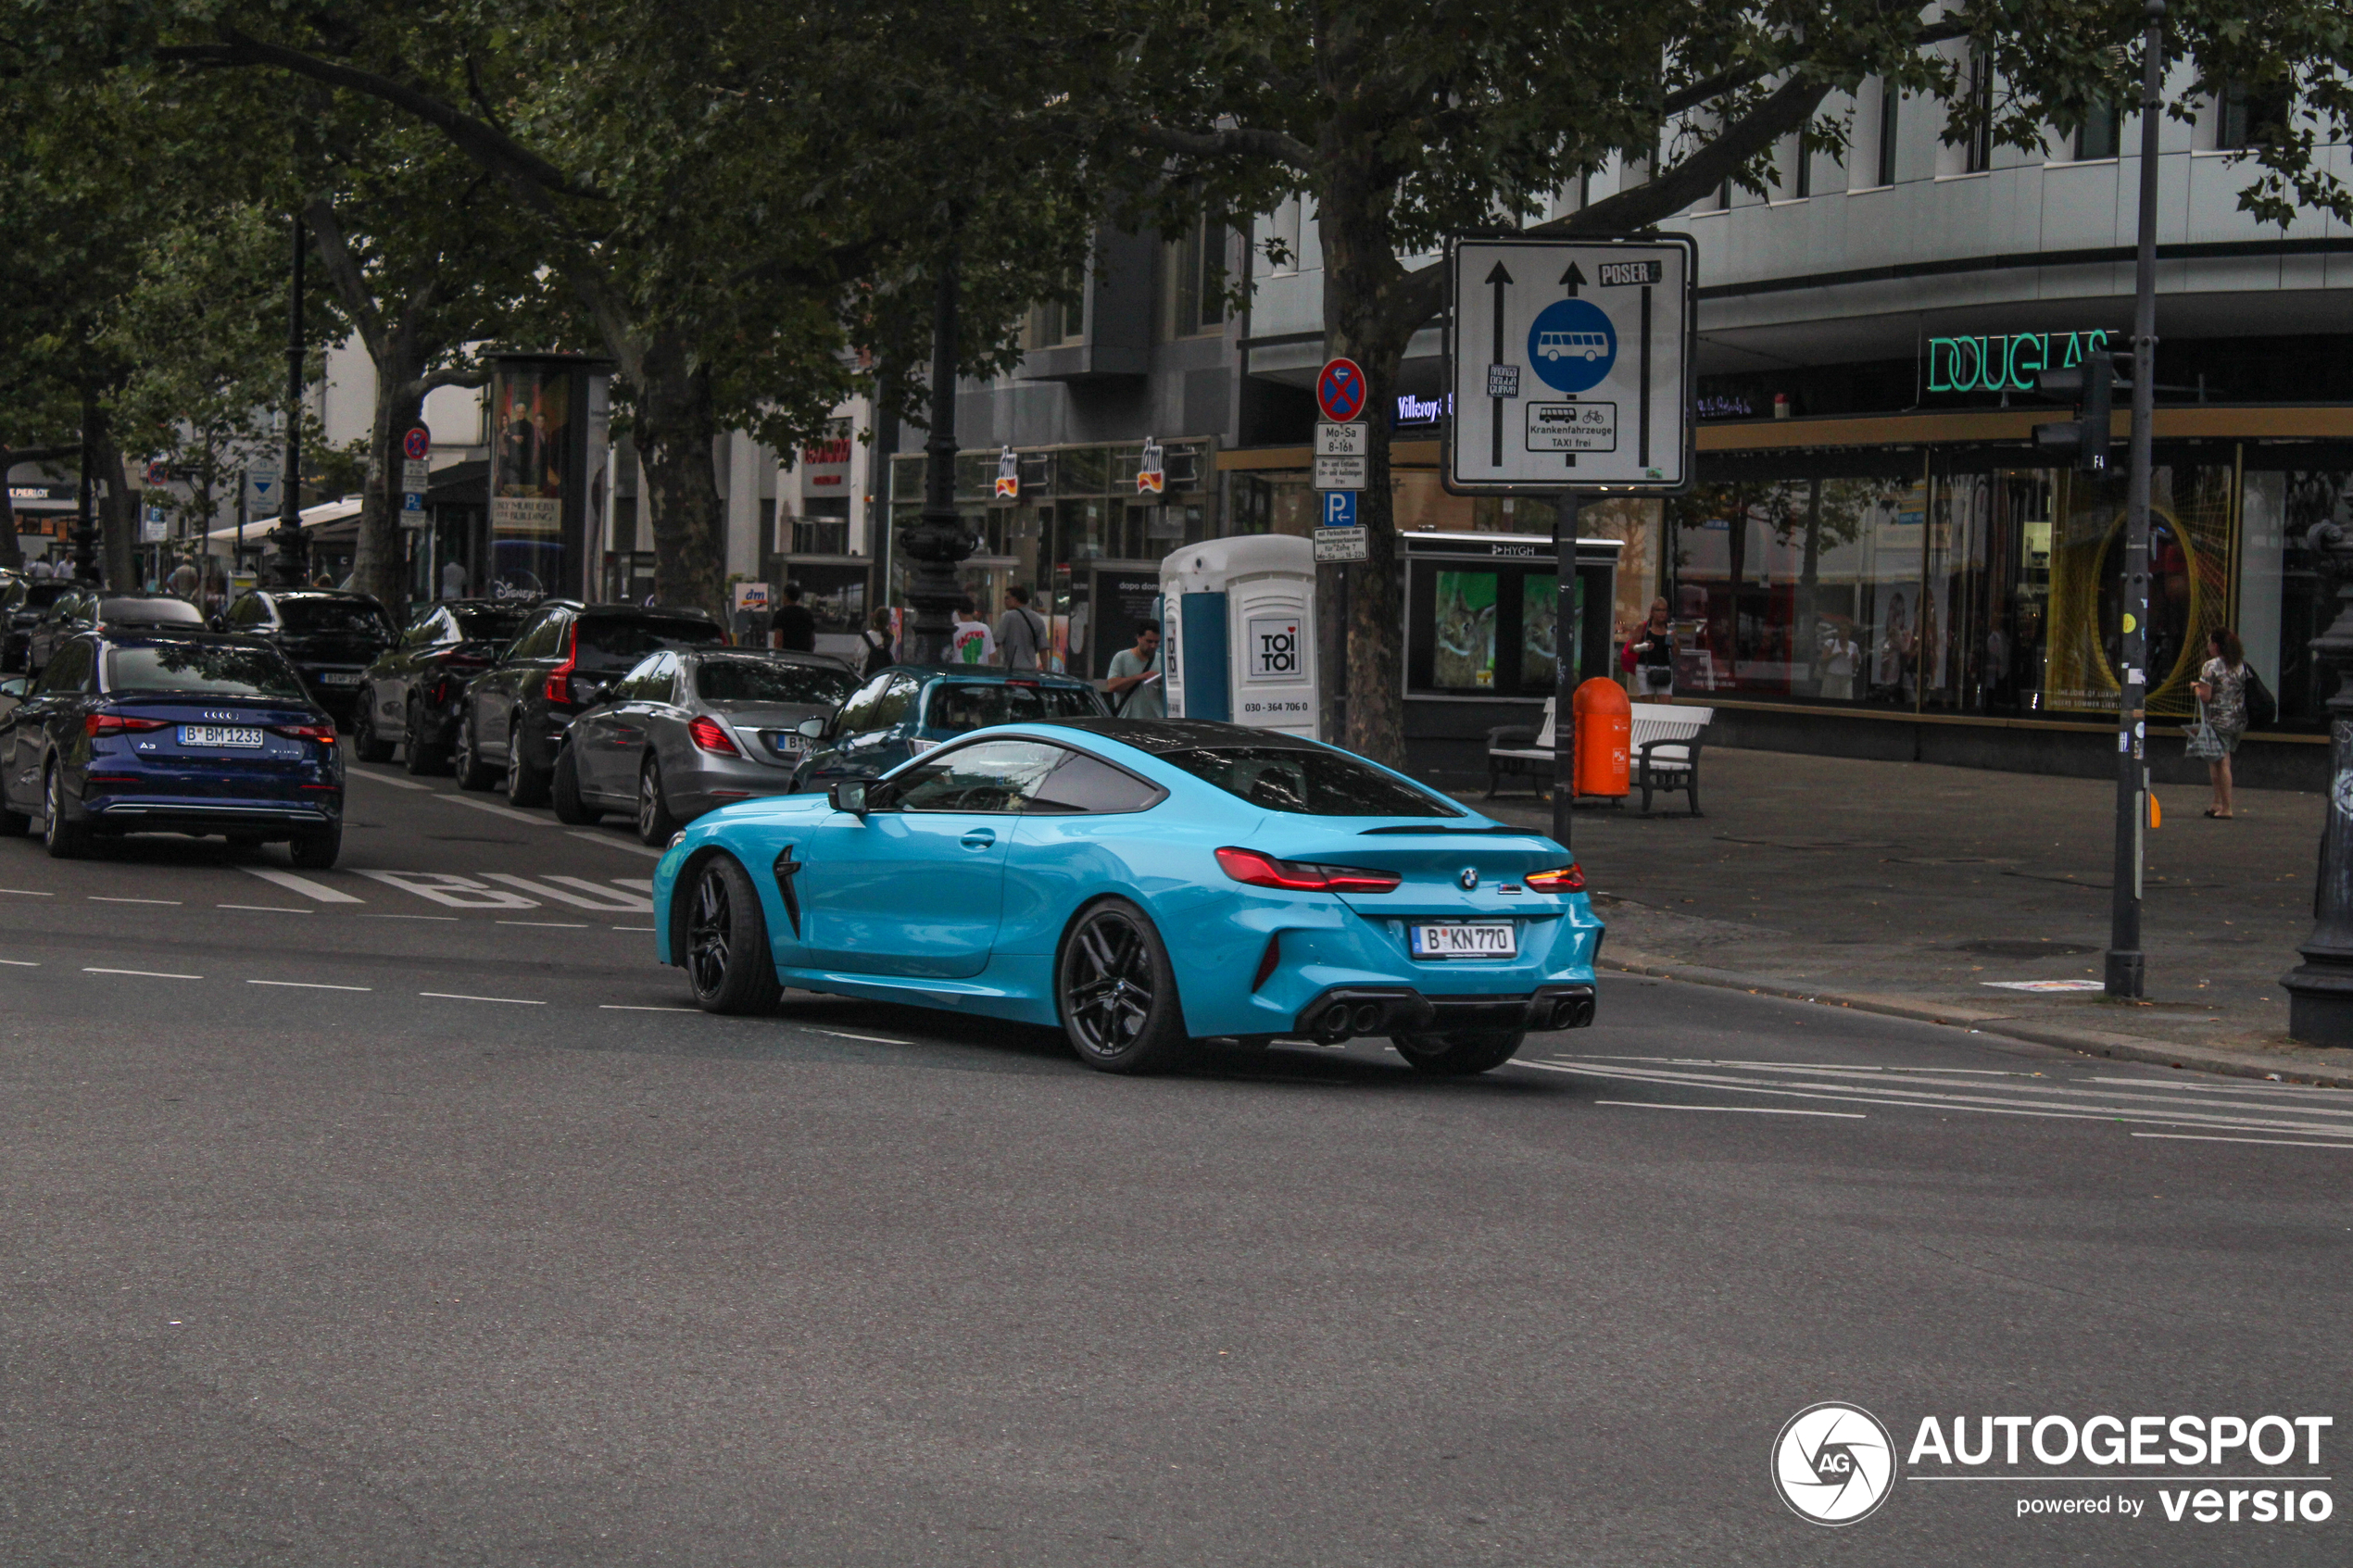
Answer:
(1182, 735)
(652, 612)
(763, 656)
(982, 673)
(316, 593)
(162, 635)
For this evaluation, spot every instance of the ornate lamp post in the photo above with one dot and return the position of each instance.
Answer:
(937, 543)
(2321, 988)
(286, 569)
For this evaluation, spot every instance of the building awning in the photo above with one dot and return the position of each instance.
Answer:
(313, 518)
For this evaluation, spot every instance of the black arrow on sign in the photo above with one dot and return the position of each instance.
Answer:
(1572, 279)
(1499, 280)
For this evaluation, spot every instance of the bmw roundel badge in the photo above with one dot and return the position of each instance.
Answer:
(1469, 877)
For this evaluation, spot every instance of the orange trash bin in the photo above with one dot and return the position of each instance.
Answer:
(1605, 738)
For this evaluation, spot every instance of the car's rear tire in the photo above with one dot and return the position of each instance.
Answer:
(65, 840)
(526, 785)
(1117, 991)
(655, 823)
(316, 850)
(724, 941)
(563, 792)
(471, 771)
(415, 754)
(1459, 1053)
(366, 744)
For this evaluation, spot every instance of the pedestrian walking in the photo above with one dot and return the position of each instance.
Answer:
(1135, 678)
(876, 638)
(1842, 656)
(796, 629)
(1021, 632)
(183, 582)
(453, 580)
(40, 570)
(1650, 654)
(970, 642)
(2222, 700)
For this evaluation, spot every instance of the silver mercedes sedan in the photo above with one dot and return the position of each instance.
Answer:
(689, 730)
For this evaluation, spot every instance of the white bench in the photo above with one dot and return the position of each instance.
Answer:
(1515, 748)
(1665, 751)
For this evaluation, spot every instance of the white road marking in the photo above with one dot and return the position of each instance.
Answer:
(460, 997)
(579, 892)
(453, 891)
(550, 924)
(626, 1007)
(450, 917)
(19, 963)
(27, 893)
(840, 1035)
(610, 841)
(633, 928)
(2238, 1086)
(2209, 1138)
(642, 884)
(309, 986)
(301, 885)
(141, 973)
(349, 773)
(102, 898)
(1740, 1109)
(507, 811)
(268, 909)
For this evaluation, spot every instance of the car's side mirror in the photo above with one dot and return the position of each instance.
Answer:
(217, 622)
(815, 729)
(848, 795)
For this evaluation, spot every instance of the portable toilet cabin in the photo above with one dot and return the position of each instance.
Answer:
(1238, 632)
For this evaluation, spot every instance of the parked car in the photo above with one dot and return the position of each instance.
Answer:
(1140, 883)
(169, 731)
(683, 733)
(410, 697)
(26, 600)
(905, 710)
(330, 636)
(84, 609)
(514, 714)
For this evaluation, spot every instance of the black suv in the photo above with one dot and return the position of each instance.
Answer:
(82, 609)
(411, 696)
(515, 713)
(329, 636)
(26, 600)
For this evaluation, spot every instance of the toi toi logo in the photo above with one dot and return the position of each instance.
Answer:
(1834, 1463)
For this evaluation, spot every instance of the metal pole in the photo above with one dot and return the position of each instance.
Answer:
(1564, 655)
(286, 566)
(85, 527)
(882, 455)
(937, 545)
(2126, 976)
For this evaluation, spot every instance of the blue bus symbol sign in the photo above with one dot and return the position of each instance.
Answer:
(1339, 508)
(1572, 345)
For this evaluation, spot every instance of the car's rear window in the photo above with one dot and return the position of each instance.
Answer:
(488, 625)
(311, 617)
(751, 680)
(958, 706)
(219, 669)
(1312, 784)
(615, 643)
(41, 595)
(154, 612)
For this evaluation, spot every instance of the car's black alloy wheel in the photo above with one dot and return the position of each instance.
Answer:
(416, 755)
(655, 824)
(317, 850)
(526, 785)
(563, 792)
(1118, 991)
(1460, 1052)
(724, 941)
(472, 774)
(366, 744)
(65, 840)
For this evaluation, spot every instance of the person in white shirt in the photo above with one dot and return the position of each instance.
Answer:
(1841, 658)
(970, 643)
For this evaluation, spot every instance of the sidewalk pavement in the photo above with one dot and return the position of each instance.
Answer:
(1908, 888)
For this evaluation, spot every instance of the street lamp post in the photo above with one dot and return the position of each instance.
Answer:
(286, 569)
(2319, 990)
(937, 543)
(2127, 966)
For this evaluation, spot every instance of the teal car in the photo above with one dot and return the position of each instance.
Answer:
(1142, 884)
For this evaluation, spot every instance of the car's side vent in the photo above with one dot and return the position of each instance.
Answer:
(787, 868)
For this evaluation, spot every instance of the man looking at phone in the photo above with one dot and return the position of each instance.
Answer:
(1135, 686)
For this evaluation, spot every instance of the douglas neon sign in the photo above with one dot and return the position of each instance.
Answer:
(2005, 363)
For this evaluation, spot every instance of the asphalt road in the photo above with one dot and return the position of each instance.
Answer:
(415, 1218)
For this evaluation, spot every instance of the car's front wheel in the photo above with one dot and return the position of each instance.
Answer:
(65, 840)
(471, 771)
(725, 944)
(366, 744)
(1459, 1053)
(655, 822)
(1118, 991)
(416, 754)
(526, 785)
(563, 792)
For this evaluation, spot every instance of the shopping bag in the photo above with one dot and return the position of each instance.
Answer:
(2204, 745)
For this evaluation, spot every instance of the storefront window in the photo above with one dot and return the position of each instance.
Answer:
(2284, 602)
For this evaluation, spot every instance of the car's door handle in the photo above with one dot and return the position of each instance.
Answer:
(980, 838)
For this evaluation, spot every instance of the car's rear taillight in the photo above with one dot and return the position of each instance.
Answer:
(1300, 876)
(1563, 879)
(323, 734)
(559, 687)
(707, 734)
(117, 724)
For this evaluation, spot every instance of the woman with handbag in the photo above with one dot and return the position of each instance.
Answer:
(2221, 713)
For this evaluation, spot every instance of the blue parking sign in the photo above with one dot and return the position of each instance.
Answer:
(1339, 508)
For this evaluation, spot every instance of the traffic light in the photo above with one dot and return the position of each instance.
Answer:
(2092, 388)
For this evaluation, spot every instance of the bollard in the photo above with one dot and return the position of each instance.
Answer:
(1604, 735)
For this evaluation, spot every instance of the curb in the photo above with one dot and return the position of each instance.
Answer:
(2089, 1042)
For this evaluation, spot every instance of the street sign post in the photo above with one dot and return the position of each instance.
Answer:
(1339, 391)
(1570, 364)
(1340, 545)
(1340, 441)
(417, 445)
(261, 490)
(1341, 474)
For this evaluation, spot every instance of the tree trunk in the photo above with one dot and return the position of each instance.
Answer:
(675, 430)
(379, 567)
(1362, 323)
(11, 554)
(118, 511)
